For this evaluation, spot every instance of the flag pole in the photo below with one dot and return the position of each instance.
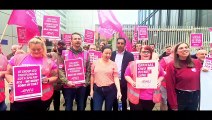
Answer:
(3, 33)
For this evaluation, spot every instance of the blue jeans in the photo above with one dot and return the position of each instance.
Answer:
(3, 106)
(188, 100)
(71, 94)
(107, 93)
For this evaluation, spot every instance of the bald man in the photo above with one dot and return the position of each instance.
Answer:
(201, 55)
(14, 48)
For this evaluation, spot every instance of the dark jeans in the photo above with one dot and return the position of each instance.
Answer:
(187, 100)
(87, 93)
(101, 94)
(146, 105)
(56, 100)
(70, 94)
(3, 106)
(35, 105)
(123, 100)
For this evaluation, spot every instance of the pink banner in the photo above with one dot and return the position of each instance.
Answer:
(108, 21)
(89, 37)
(107, 32)
(75, 70)
(210, 29)
(51, 27)
(94, 55)
(27, 82)
(143, 32)
(196, 40)
(67, 38)
(26, 19)
(136, 55)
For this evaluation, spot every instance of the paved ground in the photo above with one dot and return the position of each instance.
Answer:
(62, 108)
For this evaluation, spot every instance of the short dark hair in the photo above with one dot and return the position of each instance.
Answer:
(76, 33)
(121, 39)
(106, 47)
(61, 42)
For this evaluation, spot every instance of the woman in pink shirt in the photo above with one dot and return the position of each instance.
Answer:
(145, 96)
(49, 72)
(105, 83)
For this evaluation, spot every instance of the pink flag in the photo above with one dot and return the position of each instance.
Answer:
(108, 21)
(26, 19)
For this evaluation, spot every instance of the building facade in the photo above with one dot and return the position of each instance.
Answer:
(10, 36)
(195, 18)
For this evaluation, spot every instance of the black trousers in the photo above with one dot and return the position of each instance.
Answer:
(56, 100)
(35, 105)
(123, 100)
(188, 100)
(145, 105)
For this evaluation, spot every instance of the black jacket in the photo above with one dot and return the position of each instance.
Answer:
(128, 57)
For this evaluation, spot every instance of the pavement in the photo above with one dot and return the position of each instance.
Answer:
(62, 108)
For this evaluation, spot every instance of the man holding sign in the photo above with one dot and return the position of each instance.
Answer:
(77, 74)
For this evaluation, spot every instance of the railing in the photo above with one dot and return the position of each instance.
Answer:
(171, 35)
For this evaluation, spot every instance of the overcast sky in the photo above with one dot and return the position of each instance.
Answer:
(123, 16)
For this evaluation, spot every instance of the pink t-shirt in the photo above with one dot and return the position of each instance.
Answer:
(145, 94)
(29, 60)
(104, 74)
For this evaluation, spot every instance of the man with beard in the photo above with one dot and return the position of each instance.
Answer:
(72, 90)
(122, 58)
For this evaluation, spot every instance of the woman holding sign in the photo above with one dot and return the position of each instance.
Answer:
(141, 99)
(49, 72)
(3, 68)
(183, 79)
(104, 81)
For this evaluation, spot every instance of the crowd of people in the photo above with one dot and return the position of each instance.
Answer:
(109, 79)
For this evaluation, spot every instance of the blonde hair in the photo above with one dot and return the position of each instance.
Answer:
(38, 40)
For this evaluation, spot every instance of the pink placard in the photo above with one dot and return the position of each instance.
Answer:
(21, 31)
(196, 39)
(75, 70)
(142, 32)
(210, 29)
(146, 74)
(67, 38)
(27, 82)
(89, 37)
(136, 55)
(208, 62)
(135, 36)
(51, 27)
(94, 55)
